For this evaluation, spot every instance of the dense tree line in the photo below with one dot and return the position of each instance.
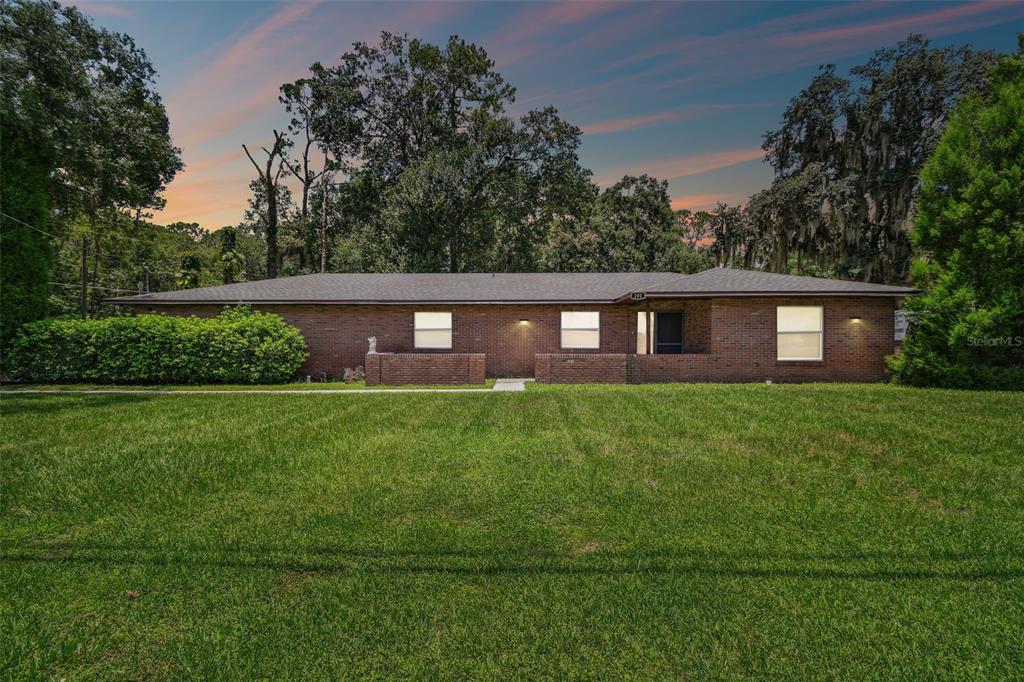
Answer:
(407, 160)
(434, 175)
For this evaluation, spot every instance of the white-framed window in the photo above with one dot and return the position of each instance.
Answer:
(432, 330)
(581, 330)
(800, 331)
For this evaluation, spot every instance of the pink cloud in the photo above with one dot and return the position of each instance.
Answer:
(949, 19)
(616, 125)
(242, 83)
(251, 62)
(206, 164)
(684, 166)
(789, 42)
(516, 39)
(202, 199)
(705, 202)
(696, 202)
(262, 102)
(103, 9)
(257, 42)
(642, 121)
(213, 189)
(541, 18)
(564, 98)
(691, 46)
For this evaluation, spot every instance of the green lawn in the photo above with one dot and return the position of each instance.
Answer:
(294, 386)
(825, 532)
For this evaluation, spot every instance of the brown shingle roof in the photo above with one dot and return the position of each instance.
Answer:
(592, 287)
(584, 287)
(736, 282)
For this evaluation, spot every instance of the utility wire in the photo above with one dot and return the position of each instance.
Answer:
(31, 227)
(91, 286)
(93, 232)
(95, 256)
(102, 256)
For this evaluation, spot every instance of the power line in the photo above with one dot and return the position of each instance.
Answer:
(91, 286)
(94, 232)
(102, 257)
(164, 272)
(31, 227)
(138, 240)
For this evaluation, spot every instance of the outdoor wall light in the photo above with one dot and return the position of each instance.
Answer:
(855, 318)
(524, 322)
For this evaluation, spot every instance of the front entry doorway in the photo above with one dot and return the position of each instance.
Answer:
(668, 333)
(659, 333)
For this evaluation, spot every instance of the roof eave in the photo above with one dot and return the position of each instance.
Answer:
(709, 294)
(135, 301)
(568, 301)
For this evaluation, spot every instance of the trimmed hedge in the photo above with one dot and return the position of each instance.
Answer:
(239, 346)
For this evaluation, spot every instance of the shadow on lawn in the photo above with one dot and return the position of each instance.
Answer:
(12, 404)
(854, 566)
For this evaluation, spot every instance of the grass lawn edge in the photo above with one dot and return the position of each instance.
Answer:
(238, 388)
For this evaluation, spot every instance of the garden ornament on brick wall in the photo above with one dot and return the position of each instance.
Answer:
(373, 344)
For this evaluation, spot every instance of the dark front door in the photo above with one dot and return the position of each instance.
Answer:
(668, 333)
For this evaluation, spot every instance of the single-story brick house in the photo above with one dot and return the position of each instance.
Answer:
(718, 325)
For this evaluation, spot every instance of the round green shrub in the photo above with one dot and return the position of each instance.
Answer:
(239, 346)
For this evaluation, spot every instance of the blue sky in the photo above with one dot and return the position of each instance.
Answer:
(683, 91)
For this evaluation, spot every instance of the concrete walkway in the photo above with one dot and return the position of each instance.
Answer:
(500, 385)
(510, 385)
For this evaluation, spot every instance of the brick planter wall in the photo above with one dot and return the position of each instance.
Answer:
(616, 368)
(651, 369)
(398, 369)
(573, 368)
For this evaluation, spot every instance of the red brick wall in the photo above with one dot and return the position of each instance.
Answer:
(619, 368)
(696, 320)
(743, 348)
(336, 334)
(570, 368)
(743, 339)
(738, 332)
(647, 369)
(398, 369)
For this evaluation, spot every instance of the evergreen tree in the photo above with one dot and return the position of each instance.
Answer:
(967, 330)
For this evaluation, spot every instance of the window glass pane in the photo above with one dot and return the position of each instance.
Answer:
(433, 320)
(433, 339)
(574, 320)
(581, 338)
(799, 318)
(799, 346)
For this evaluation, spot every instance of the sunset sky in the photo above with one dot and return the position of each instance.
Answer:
(682, 91)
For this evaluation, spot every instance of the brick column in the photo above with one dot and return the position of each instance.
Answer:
(373, 362)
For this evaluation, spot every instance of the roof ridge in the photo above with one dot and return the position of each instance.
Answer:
(682, 277)
(551, 287)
